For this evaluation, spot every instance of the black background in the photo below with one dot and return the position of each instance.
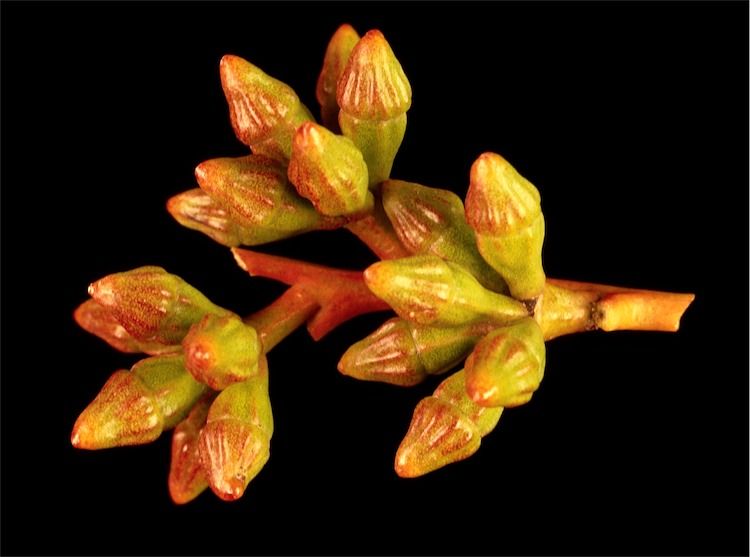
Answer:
(631, 119)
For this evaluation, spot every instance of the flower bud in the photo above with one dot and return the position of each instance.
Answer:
(264, 111)
(336, 57)
(507, 365)
(151, 304)
(504, 210)
(329, 170)
(98, 320)
(255, 192)
(195, 209)
(235, 442)
(374, 95)
(431, 220)
(221, 350)
(446, 427)
(135, 407)
(403, 353)
(187, 479)
(427, 290)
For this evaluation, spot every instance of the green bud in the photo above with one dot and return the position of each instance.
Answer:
(264, 111)
(255, 192)
(235, 442)
(431, 221)
(446, 427)
(329, 170)
(151, 304)
(135, 407)
(374, 95)
(507, 365)
(504, 210)
(427, 290)
(403, 353)
(336, 57)
(221, 350)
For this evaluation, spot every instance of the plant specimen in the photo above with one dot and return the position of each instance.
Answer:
(465, 281)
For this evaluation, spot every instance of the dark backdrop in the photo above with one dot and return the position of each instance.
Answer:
(630, 118)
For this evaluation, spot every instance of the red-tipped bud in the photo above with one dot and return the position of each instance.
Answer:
(256, 193)
(135, 407)
(432, 221)
(504, 210)
(151, 304)
(403, 353)
(329, 170)
(374, 95)
(221, 350)
(373, 85)
(427, 290)
(446, 427)
(195, 209)
(507, 366)
(264, 111)
(235, 443)
(336, 57)
(98, 320)
(187, 479)
(125, 412)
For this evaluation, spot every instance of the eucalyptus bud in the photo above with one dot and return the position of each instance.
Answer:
(432, 221)
(329, 171)
(235, 442)
(221, 350)
(427, 290)
(504, 210)
(187, 479)
(446, 427)
(336, 57)
(135, 407)
(404, 353)
(197, 210)
(263, 110)
(507, 365)
(374, 95)
(151, 304)
(98, 320)
(256, 194)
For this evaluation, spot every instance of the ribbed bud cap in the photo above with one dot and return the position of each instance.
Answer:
(499, 200)
(507, 365)
(373, 86)
(329, 171)
(152, 304)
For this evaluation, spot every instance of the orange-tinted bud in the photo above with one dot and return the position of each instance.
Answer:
(264, 111)
(221, 350)
(187, 479)
(151, 304)
(336, 57)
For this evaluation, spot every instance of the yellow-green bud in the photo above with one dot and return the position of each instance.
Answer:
(446, 427)
(151, 304)
(221, 350)
(235, 442)
(336, 57)
(504, 210)
(507, 365)
(374, 95)
(431, 220)
(263, 110)
(403, 353)
(255, 191)
(329, 171)
(427, 290)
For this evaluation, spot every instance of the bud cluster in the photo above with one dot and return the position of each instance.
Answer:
(465, 280)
